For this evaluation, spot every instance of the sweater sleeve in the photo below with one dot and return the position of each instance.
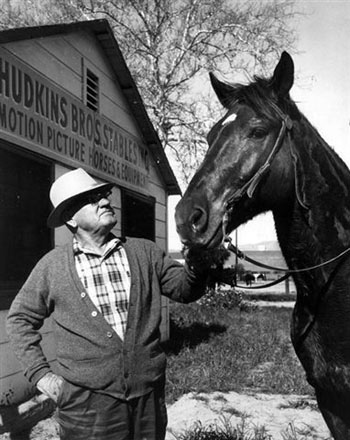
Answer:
(25, 318)
(179, 282)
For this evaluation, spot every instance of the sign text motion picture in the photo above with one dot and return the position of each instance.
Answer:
(41, 115)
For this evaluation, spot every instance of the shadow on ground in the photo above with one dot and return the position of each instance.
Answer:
(190, 335)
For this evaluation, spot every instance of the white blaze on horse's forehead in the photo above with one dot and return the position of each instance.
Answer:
(232, 117)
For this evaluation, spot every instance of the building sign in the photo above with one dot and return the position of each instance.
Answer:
(41, 116)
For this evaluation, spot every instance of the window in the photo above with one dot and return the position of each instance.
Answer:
(92, 90)
(24, 208)
(138, 215)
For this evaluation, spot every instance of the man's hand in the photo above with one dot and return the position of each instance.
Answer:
(201, 259)
(51, 385)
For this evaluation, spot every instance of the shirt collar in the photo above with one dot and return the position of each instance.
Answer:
(112, 244)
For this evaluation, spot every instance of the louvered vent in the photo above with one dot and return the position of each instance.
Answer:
(92, 90)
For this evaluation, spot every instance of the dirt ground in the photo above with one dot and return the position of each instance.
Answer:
(280, 415)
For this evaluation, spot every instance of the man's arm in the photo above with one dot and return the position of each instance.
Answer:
(180, 282)
(25, 318)
(188, 282)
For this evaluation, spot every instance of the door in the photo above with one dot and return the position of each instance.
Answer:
(138, 215)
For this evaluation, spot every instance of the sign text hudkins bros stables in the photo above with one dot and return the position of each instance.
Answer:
(43, 117)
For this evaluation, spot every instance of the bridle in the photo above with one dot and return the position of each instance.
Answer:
(250, 186)
(248, 189)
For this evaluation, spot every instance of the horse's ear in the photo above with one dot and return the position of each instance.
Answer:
(283, 76)
(223, 90)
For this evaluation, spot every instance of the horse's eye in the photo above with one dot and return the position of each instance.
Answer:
(258, 133)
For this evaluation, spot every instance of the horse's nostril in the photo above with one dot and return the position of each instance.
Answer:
(198, 220)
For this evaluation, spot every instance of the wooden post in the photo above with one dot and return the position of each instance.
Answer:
(287, 286)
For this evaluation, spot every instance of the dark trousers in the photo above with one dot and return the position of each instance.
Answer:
(86, 415)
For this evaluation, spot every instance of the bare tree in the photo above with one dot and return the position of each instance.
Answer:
(170, 45)
(16, 13)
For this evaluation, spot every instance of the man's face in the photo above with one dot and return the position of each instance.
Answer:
(95, 213)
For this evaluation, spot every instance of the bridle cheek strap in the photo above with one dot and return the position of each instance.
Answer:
(250, 186)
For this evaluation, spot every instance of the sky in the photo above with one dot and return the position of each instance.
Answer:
(321, 91)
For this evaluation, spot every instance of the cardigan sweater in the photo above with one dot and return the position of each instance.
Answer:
(89, 353)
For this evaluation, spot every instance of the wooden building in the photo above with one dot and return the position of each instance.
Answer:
(67, 100)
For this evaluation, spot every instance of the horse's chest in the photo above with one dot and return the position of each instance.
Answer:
(324, 352)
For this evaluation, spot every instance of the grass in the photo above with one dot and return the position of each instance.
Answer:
(219, 344)
(270, 296)
(224, 348)
(225, 431)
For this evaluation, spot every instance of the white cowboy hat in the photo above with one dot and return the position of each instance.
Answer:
(67, 188)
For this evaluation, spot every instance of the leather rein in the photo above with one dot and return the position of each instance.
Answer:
(249, 188)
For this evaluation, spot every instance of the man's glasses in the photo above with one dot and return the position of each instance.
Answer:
(94, 198)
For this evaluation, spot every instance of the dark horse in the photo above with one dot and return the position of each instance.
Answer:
(265, 155)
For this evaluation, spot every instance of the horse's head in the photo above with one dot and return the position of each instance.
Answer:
(247, 169)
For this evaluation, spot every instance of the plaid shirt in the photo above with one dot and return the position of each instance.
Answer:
(107, 281)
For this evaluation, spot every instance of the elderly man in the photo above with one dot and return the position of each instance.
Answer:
(104, 297)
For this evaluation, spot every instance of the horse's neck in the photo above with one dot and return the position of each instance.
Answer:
(319, 230)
